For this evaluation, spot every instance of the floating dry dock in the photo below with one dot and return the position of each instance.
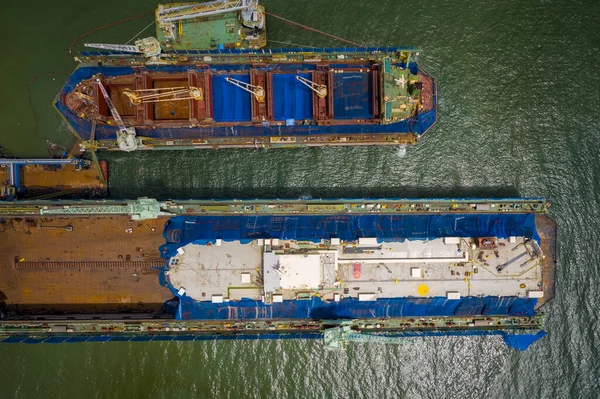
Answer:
(356, 270)
(249, 98)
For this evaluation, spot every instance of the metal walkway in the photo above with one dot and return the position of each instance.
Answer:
(138, 265)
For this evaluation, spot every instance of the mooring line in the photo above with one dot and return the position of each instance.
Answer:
(297, 25)
(106, 26)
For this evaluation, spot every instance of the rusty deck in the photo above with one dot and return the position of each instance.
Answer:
(81, 265)
(45, 179)
(546, 228)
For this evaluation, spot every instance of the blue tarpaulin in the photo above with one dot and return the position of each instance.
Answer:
(351, 308)
(292, 99)
(352, 95)
(521, 341)
(183, 230)
(230, 103)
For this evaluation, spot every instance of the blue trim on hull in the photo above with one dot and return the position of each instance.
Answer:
(350, 308)
(182, 230)
(517, 340)
(417, 125)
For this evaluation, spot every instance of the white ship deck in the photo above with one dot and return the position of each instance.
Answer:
(275, 270)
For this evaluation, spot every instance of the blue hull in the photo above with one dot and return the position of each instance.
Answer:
(233, 110)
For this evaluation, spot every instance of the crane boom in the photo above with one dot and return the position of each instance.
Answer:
(148, 46)
(125, 135)
(321, 90)
(116, 47)
(144, 96)
(257, 91)
(177, 13)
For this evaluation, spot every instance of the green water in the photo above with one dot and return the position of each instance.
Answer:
(519, 104)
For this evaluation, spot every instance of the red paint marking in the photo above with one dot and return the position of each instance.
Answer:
(357, 270)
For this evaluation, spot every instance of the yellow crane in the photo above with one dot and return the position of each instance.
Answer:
(321, 90)
(256, 91)
(144, 96)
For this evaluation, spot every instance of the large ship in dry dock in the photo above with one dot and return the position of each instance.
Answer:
(347, 270)
(248, 98)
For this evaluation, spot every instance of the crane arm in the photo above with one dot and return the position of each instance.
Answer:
(148, 46)
(177, 13)
(116, 47)
(125, 135)
(111, 106)
(257, 91)
(321, 90)
(144, 96)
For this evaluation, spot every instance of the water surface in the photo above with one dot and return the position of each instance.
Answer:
(519, 104)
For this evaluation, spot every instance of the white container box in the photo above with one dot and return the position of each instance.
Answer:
(217, 299)
(367, 296)
(367, 241)
(415, 272)
(535, 294)
(452, 295)
(451, 240)
(277, 298)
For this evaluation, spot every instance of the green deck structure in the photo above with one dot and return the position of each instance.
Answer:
(215, 31)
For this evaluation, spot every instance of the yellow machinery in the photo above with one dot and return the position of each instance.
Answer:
(257, 91)
(144, 96)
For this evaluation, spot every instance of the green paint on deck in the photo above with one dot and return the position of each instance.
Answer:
(209, 32)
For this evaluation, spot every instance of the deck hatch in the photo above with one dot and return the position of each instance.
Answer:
(230, 103)
(292, 100)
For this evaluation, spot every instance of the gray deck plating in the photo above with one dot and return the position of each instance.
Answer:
(294, 269)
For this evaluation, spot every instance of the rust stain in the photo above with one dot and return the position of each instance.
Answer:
(93, 239)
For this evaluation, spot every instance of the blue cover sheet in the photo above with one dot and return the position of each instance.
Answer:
(351, 308)
(292, 99)
(352, 95)
(183, 230)
(230, 103)
(517, 341)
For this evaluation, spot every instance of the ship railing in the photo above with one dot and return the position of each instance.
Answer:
(329, 50)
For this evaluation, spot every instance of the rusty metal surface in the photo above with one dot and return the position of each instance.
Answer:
(102, 265)
(546, 229)
(86, 264)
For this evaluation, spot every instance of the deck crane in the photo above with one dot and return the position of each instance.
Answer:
(148, 46)
(125, 135)
(166, 15)
(321, 90)
(145, 96)
(337, 338)
(256, 91)
(188, 11)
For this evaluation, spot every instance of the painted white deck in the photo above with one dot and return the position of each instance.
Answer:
(385, 270)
